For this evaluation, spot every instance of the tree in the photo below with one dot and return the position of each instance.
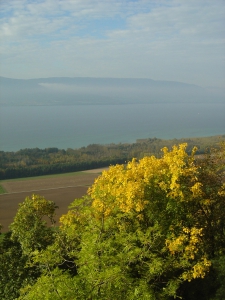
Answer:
(14, 270)
(29, 227)
(29, 232)
(150, 229)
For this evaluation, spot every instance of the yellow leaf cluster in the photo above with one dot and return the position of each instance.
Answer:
(196, 190)
(187, 243)
(123, 187)
(221, 192)
(199, 270)
(68, 219)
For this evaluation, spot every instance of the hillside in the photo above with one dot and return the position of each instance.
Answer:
(85, 90)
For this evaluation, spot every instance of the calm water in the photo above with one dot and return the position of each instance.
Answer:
(76, 126)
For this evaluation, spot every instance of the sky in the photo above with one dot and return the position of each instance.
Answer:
(175, 40)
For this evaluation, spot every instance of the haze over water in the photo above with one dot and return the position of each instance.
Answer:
(79, 125)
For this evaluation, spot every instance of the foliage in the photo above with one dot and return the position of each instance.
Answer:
(219, 265)
(29, 233)
(29, 226)
(151, 229)
(14, 273)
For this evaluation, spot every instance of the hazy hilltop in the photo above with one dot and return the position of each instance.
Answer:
(86, 90)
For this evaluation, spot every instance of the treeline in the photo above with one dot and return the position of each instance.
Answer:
(36, 162)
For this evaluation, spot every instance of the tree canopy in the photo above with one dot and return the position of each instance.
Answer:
(151, 229)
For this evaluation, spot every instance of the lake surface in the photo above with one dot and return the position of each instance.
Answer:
(80, 125)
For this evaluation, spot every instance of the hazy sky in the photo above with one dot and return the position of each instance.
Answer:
(179, 40)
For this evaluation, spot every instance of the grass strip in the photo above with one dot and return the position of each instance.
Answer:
(47, 176)
(2, 190)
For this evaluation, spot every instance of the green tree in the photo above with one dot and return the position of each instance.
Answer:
(29, 232)
(30, 228)
(14, 270)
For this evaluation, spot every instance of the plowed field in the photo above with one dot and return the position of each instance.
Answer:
(60, 189)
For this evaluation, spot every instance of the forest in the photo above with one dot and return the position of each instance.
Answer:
(35, 162)
(153, 228)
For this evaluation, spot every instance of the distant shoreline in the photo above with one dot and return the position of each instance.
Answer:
(212, 139)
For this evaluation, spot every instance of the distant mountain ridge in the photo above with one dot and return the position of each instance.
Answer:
(90, 90)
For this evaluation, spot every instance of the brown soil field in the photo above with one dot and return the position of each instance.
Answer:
(60, 189)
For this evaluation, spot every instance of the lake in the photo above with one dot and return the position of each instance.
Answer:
(80, 125)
